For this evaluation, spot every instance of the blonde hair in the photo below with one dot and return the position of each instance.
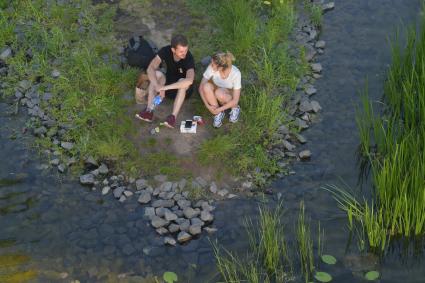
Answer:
(223, 59)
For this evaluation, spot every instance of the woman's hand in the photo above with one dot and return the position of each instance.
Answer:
(213, 109)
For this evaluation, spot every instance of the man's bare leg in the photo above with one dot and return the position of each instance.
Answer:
(178, 101)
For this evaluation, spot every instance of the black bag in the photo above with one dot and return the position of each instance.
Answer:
(140, 52)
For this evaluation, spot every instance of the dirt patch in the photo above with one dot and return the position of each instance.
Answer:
(158, 20)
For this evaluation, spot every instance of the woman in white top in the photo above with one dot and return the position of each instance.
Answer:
(220, 88)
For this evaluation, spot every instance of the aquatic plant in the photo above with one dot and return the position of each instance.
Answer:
(305, 245)
(393, 144)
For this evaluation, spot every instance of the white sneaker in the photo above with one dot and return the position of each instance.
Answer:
(218, 120)
(234, 114)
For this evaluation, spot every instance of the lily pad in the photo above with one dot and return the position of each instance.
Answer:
(323, 276)
(372, 275)
(169, 277)
(328, 259)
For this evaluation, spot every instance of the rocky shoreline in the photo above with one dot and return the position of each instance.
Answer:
(167, 205)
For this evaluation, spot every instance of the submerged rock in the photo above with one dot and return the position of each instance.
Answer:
(87, 179)
(183, 237)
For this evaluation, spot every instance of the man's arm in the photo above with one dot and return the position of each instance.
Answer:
(153, 66)
(184, 83)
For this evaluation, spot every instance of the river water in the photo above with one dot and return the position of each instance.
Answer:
(63, 227)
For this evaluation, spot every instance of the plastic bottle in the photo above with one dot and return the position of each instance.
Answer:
(156, 101)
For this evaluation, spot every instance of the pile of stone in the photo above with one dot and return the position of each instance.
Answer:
(302, 108)
(167, 205)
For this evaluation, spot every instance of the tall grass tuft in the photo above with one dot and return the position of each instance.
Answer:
(394, 144)
(305, 245)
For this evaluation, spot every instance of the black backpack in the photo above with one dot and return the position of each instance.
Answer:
(140, 52)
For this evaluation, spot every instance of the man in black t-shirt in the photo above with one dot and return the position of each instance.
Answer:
(177, 83)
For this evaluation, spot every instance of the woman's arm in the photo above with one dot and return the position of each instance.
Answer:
(232, 103)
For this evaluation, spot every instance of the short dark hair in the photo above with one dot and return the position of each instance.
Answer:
(179, 39)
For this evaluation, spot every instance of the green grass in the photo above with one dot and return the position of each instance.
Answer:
(314, 12)
(270, 257)
(257, 35)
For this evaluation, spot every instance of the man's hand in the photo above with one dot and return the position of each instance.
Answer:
(160, 90)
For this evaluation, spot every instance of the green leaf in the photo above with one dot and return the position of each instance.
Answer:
(372, 275)
(169, 277)
(328, 259)
(323, 276)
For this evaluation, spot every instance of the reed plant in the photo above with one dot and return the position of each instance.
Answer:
(393, 144)
(305, 245)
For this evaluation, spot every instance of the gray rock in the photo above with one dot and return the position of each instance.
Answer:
(118, 192)
(169, 241)
(158, 222)
(103, 169)
(206, 61)
(195, 229)
(300, 138)
(320, 44)
(305, 106)
(24, 85)
(201, 182)
(207, 207)
(47, 96)
(149, 212)
(183, 224)
(55, 74)
(223, 192)
(183, 237)
(67, 145)
(162, 231)
(128, 249)
(160, 178)
(91, 161)
(163, 203)
(183, 203)
(141, 184)
(206, 216)
(18, 94)
(169, 216)
(289, 146)
(300, 123)
(87, 179)
(106, 190)
(316, 67)
(5, 53)
(313, 34)
(310, 90)
(178, 197)
(230, 196)
(328, 6)
(210, 230)
(283, 130)
(166, 187)
(173, 228)
(305, 154)
(247, 185)
(316, 106)
(128, 193)
(122, 198)
(40, 131)
(310, 52)
(145, 197)
(190, 212)
(182, 184)
(71, 161)
(213, 188)
(197, 221)
(196, 185)
(160, 211)
(61, 168)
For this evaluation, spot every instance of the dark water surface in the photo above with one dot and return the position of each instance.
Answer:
(63, 227)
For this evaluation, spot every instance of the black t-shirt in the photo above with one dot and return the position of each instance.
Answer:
(175, 70)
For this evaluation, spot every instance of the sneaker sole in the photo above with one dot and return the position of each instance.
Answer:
(143, 119)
